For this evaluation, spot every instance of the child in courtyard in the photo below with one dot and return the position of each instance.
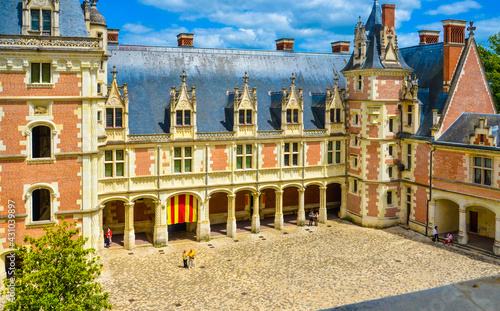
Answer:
(185, 259)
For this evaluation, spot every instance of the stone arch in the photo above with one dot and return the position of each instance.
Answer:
(312, 196)
(333, 198)
(144, 218)
(107, 200)
(480, 220)
(446, 215)
(144, 196)
(224, 190)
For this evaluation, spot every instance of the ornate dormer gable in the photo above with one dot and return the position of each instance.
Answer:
(41, 17)
(334, 109)
(409, 88)
(483, 135)
(115, 111)
(360, 44)
(245, 110)
(183, 111)
(292, 110)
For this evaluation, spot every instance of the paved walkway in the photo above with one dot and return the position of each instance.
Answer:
(299, 268)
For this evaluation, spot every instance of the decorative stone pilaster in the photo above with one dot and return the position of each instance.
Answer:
(462, 227)
(301, 214)
(100, 242)
(432, 217)
(231, 216)
(256, 216)
(322, 205)
(343, 203)
(496, 246)
(203, 225)
(160, 236)
(278, 217)
(129, 233)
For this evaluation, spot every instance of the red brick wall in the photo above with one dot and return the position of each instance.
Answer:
(451, 55)
(466, 189)
(333, 193)
(15, 115)
(218, 203)
(269, 198)
(449, 165)
(219, 158)
(243, 199)
(372, 202)
(354, 203)
(291, 197)
(64, 113)
(143, 211)
(421, 171)
(358, 95)
(420, 204)
(13, 85)
(269, 158)
(143, 161)
(372, 164)
(118, 209)
(311, 196)
(391, 89)
(313, 153)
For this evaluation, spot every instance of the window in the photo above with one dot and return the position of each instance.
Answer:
(389, 197)
(354, 161)
(183, 117)
(408, 157)
(482, 170)
(355, 186)
(291, 154)
(334, 152)
(40, 203)
(389, 171)
(355, 118)
(113, 117)
(356, 141)
(40, 142)
(359, 83)
(114, 163)
(245, 116)
(409, 114)
(391, 151)
(244, 156)
(391, 125)
(408, 199)
(292, 116)
(183, 158)
(41, 21)
(335, 115)
(40, 72)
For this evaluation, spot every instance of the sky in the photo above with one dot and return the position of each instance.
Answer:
(256, 24)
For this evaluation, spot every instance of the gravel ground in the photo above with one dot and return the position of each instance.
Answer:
(309, 268)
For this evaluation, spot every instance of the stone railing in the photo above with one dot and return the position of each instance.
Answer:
(35, 42)
(156, 138)
(215, 136)
(269, 134)
(314, 133)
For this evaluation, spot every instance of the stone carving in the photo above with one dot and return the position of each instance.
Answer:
(51, 42)
(41, 111)
(39, 3)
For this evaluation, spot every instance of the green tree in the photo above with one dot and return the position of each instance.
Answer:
(491, 60)
(57, 273)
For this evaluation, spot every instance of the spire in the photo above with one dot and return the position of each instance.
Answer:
(183, 76)
(246, 78)
(114, 72)
(471, 29)
(293, 78)
(374, 22)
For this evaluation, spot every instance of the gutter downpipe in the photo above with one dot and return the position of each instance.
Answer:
(344, 95)
(433, 148)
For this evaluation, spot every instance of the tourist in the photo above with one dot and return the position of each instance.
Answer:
(311, 218)
(436, 236)
(448, 239)
(185, 259)
(191, 255)
(109, 236)
(316, 218)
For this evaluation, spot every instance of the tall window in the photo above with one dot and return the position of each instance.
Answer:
(359, 83)
(408, 157)
(355, 186)
(334, 152)
(245, 116)
(409, 114)
(291, 154)
(40, 203)
(40, 72)
(183, 117)
(114, 117)
(183, 158)
(389, 197)
(114, 163)
(41, 20)
(335, 115)
(483, 169)
(391, 150)
(292, 116)
(408, 198)
(244, 156)
(391, 125)
(40, 142)
(389, 171)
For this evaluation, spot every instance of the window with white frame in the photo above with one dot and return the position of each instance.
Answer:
(40, 73)
(354, 186)
(392, 125)
(408, 198)
(409, 115)
(390, 171)
(114, 163)
(41, 21)
(114, 117)
(389, 197)
(354, 161)
(336, 115)
(40, 205)
(183, 117)
(291, 154)
(408, 157)
(245, 116)
(292, 116)
(183, 158)
(244, 156)
(390, 150)
(359, 82)
(41, 141)
(483, 170)
(334, 152)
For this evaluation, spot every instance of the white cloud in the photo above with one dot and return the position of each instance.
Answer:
(455, 8)
(136, 28)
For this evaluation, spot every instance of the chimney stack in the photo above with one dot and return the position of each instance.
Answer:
(113, 36)
(428, 36)
(454, 42)
(388, 12)
(341, 46)
(185, 40)
(284, 44)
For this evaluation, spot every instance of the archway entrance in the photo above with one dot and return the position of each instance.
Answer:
(243, 210)
(447, 217)
(333, 200)
(267, 208)
(144, 213)
(113, 217)
(290, 205)
(182, 216)
(217, 212)
(481, 227)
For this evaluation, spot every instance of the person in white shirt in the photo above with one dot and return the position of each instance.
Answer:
(436, 236)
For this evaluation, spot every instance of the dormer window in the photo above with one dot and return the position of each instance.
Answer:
(292, 116)
(114, 117)
(183, 117)
(335, 115)
(41, 21)
(245, 116)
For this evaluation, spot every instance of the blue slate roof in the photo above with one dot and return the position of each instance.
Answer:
(460, 131)
(71, 19)
(151, 72)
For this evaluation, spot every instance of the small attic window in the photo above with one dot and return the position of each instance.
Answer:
(41, 21)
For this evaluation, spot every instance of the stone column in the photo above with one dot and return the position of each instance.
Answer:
(231, 216)
(343, 203)
(100, 242)
(301, 214)
(322, 205)
(278, 217)
(496, 246)
(462, 227)
(129, 233)
(203, 225)
(160, 236)
(432, 217)
(256, 216)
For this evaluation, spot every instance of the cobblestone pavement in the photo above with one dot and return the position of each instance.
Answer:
(309, 268)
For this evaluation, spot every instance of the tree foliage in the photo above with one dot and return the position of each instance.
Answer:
(491, 59)
(57, 273)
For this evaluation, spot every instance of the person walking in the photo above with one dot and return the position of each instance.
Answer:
(311, 218)
(191, 255)
(109, 235)
(436, 235)
(185, 259)
(316, 218)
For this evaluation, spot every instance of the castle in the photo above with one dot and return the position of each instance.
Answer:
(196, 137)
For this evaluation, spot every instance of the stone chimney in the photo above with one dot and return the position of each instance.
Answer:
(388, 12)
(284, 44)
(341, 46)
(185, 39)
(428, 36)
(454, 42)
(113, 36)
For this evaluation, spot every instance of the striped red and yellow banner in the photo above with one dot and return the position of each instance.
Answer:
(182, 208)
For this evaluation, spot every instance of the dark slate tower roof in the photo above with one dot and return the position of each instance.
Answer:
(71, 19)
(151, 72)
(374, 22)
(96, 17)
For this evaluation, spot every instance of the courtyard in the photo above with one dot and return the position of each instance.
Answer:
(299, 268)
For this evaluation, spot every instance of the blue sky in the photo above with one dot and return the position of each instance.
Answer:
(256, 24)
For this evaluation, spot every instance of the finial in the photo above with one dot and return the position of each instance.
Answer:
(183, 77)
(336, 79)
(471, 29)
(94, 2)
(114, 72)
(293, 78)
(246, 77)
